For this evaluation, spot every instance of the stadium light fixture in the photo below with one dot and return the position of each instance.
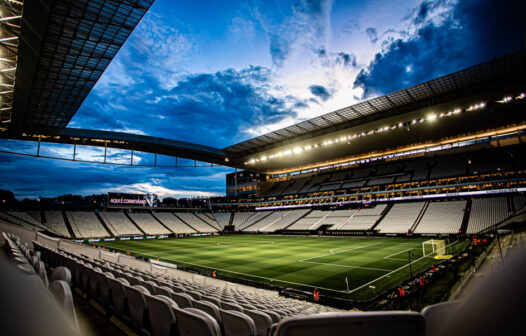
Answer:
(431, 117)
(297, 150)
(308, 147)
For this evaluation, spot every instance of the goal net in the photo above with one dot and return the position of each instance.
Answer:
(435, 247)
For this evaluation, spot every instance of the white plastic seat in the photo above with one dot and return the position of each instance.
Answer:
(191, 321)
(237, 323)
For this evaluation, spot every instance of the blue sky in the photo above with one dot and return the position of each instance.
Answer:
(217, 73)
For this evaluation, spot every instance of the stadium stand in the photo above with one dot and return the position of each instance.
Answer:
(486, 212)
(196, 222)
(287, 219)
(400, 218)
(9, 217)
(268, 219)
(173, 223)
(442, 217)
(119, 224)
(364, 219)
(311, 221)
(55, 222)
(254, 218)
(240, 218)
(222, 218)
(86, 224)
(210, 221)
(148, 224)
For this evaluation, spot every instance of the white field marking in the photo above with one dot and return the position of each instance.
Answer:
(249, 275)
(245, 243)
(396, 270)
(409, 249)
(348, 266)
(331, 253)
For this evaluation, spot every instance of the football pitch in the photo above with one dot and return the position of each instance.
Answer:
(370, 265)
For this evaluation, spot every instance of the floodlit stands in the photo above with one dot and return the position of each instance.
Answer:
(240, 218)
(173, 223)
(55, 222)
(485, 212)
(86, 224)
(310, 222)
(195, 222)
(400, 218)
(269, 219)
(253, 218)
(210, 221)
(119, 224)
(222, 218)
(287, 219)
(519, 201)
(148, 224)
(442, 217)
(364, 219)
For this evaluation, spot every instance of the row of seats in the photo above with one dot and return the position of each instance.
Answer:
(35, 285)
(85, 224)
(119, 224)
(159, 304)
(442, 217)
(485, 212)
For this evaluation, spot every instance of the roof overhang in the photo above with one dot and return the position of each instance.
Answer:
(136, 142)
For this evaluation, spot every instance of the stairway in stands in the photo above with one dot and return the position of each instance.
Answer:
(465, 219)
(133, 222)
(68, 225)
(104, 225)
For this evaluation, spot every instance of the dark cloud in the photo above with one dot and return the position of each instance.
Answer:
(320, 91)
(474, 31)
(372, 34)
(340, 58)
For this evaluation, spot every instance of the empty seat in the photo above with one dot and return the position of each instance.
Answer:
(104, 287)
(191, 321)
(94, 276)
(368, 323)
(438, 315)
(118, 295)
(237, 323)
(261, 320)
(62, 293)
(41, 271)
(231, 306)
(183, 300)
(209, 308)
(137, 306)
(162, 315)
(273, 315)
(166, 291)
(61, 273)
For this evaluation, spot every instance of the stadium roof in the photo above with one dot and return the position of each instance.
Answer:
(64, 48)
(504, 70)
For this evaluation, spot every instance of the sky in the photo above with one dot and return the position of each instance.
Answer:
(220, 72)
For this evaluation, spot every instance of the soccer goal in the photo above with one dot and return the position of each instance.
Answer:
(436, 247)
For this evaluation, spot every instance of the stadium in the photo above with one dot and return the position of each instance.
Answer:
(401, 214)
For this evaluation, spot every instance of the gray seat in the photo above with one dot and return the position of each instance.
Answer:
(84, 276)
(183, 300)
(150, 286)
(166, 291)
(263, 321)
(231, 306)
(105, 289)
(213, 299)
(64, 297)
(273, 315)
(368, 323)
(94, 278)
(438, 315)
(119, 299)
(61, 273)
(195, 295)
(162, 315)
(237, 323)
(191, 321)
(209, 308)
(41, 271)
(137, 306)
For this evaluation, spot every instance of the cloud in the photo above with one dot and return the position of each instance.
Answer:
(308, 28)
(372, 34)
(320, 91)
(470, 32)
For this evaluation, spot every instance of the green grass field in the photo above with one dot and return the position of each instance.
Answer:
(371, 265)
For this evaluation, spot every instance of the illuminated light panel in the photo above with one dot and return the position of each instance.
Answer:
(431, 118)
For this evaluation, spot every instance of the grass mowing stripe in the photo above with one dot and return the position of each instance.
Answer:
(275, 259)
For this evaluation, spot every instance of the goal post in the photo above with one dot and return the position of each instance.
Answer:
(436, 247)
